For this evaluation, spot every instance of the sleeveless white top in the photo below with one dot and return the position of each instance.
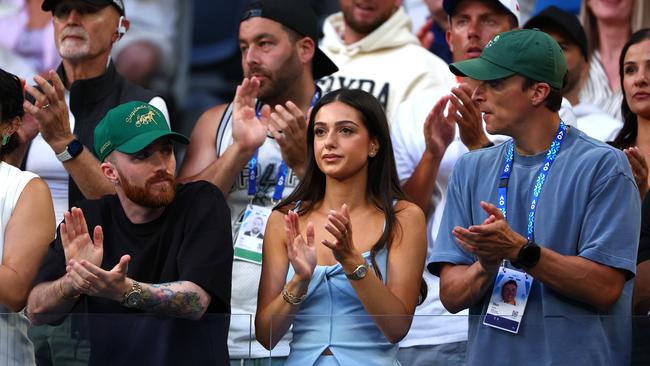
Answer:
(245, 275)
(15, 346)
(12, 183)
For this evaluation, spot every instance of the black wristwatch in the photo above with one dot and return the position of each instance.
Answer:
(529, 255)
(74, 148)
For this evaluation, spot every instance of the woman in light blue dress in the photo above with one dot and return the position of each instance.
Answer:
(344, 253)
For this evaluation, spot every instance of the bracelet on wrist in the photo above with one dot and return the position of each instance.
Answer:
(291, 298)
(64, 296)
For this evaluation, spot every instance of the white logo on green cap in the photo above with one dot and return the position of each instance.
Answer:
(493, 41)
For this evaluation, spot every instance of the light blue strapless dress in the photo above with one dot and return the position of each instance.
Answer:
(332, 316)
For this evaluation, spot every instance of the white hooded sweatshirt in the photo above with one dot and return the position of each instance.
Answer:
(389, 63)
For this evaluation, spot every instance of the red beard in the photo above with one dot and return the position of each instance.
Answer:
(144, 196)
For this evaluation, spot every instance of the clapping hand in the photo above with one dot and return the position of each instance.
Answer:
(468, 117)
(639, 168)
(425, 35)
(76, 240)
(301, 252)
(439, 130)
(50, 111)
(91, 280)
(249, 129)
(288, 126)
(77, 247)
(340, 227)
(492, 241)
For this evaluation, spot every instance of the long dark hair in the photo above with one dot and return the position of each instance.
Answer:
(383, 185)
(627, 136)
(11, 106)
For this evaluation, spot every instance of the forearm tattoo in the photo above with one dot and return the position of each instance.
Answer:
(167, 299)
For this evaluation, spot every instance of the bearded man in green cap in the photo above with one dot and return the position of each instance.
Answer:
(156, 248)
(551, 209)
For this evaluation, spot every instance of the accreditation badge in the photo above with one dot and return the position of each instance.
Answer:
(508, 300)
(250, 237)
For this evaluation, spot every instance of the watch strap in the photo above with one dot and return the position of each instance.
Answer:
(64, 156)
(529, 255)
(360, 272)
(135, 288)
(69, 154)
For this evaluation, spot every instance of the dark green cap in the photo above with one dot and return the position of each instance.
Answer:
(527, 52)
(131, 127)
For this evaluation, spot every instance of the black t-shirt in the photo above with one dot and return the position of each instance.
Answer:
(190, 241)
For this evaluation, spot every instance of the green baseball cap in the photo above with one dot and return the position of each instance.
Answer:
(527, 52)
(131, 127)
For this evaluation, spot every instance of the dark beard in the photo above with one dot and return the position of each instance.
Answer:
(143, 196)
(363, 28)
(279, 84)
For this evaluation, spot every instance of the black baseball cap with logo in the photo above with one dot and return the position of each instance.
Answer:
(567, 23)
(49, 5)
(298, 16)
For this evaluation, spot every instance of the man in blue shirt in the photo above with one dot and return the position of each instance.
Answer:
(552, 203)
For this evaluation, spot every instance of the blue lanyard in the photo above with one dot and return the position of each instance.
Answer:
(551, 155)
(282, 172)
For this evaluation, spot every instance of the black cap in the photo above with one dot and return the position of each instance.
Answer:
(298, 16)
(48, 5)
(565, 22)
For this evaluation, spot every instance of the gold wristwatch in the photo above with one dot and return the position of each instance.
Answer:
(133, 297)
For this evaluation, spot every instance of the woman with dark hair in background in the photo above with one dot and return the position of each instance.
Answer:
(608, 24)
(634, 138)
(26, 229)
(339, 263)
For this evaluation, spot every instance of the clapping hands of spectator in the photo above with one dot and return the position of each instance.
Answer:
(95, 281)
(639, 168)
(301, 252)
(76, 241)
(492, 241)
(249, 125)
(468, 117)
(78, 247)
(288, 126)
(439, 130)
(425, 35)
(50, 111)
(340, 227)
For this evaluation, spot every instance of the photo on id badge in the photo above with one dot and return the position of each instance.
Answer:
(508, 300)
(248, 244)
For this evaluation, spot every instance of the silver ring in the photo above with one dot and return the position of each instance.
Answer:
(45, 106)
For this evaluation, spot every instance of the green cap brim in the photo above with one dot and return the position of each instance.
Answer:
(141, 141)
(480, 69)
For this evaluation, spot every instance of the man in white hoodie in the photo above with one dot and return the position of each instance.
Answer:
(372, 44)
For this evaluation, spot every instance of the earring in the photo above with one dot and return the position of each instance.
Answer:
(5, 139)
(372, 153)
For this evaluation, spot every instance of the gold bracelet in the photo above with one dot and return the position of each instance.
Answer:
(63, 295)
(291, 298)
